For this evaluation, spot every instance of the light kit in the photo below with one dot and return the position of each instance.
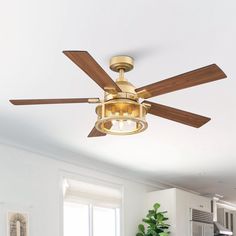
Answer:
(121, 117)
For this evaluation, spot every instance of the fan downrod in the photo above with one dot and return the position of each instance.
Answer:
(125, 63)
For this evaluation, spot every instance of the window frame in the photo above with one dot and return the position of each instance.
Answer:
(90, 219)
(120, 220)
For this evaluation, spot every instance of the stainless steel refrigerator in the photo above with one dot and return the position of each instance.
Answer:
(201, 229)
(201, 223)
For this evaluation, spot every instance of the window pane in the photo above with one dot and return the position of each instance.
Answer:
(104, 221)
(76, 219)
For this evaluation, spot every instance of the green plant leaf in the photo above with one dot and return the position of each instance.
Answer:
(163, 212)
(151, 213)
(160, 216)
(139, 234)
(150, 222)
(141, 228)
(156, 206)
(155, 223)
(153, 233)
(164, 234)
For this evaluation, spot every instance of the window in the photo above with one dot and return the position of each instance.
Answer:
(76, 219)
(91, 209)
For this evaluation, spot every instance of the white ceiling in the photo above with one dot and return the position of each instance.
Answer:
(166, 38)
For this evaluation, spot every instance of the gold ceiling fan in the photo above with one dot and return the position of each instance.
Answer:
(121, 112)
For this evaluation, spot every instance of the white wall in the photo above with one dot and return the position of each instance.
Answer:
(178, 204)
(31, 182)
(167, 199)
(185, 201)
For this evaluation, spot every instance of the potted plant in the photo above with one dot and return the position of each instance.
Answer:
(155, 223)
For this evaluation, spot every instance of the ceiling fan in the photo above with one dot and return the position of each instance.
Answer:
(121, 112)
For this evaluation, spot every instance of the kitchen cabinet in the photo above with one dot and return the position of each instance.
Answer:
(178, 204)
(227, 218)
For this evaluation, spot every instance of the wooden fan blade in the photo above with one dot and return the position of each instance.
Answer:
(177, 115)
(196, 77)
(53, 101)
(96, 133)
(87, 63)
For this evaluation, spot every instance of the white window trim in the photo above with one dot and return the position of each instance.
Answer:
(90, 220)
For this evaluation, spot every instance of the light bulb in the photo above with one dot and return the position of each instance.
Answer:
(114, 122)
(121, 124)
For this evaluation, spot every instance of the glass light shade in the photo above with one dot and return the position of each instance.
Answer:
(121, 117)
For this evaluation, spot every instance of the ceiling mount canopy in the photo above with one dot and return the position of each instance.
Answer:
(120, 112)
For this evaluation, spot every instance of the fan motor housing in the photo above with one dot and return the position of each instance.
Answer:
(128, 92)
